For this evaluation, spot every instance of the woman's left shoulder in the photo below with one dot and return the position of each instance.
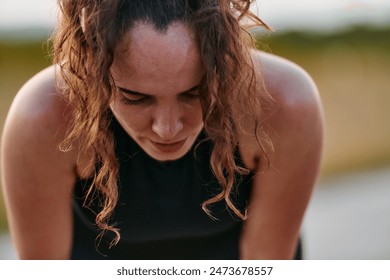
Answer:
(287, 82)
(296, 122)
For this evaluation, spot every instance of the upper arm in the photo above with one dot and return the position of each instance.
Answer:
(37, 178)
(281, 193)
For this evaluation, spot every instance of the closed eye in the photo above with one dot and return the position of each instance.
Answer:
(132, 98)
(129, 101)
(190, 96)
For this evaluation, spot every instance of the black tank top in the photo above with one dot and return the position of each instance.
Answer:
(159, 211)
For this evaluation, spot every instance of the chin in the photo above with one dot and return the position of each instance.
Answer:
(168, 152)
(164, 157)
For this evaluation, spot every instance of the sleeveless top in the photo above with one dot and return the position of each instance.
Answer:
(159, 210)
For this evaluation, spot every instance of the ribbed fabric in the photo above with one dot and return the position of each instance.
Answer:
(159, 211)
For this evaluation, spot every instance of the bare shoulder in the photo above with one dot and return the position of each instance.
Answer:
(38, 118)
(37, 177)
(297, 115)
(298, 103)
(38, 101)
(288, 83)
(281, 192)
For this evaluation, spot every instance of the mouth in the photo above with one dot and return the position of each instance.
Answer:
(168, 147)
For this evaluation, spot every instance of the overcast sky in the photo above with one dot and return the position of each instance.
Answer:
(280, 14)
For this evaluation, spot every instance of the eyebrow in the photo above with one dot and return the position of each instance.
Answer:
(136, 93)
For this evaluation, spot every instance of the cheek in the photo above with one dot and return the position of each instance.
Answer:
(136, 120)
(193, 115)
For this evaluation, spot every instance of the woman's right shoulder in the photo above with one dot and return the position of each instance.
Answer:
(37, 177)
(38, 117)
(38, 103)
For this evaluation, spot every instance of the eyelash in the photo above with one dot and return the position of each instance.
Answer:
(132, 102)
(190, 96)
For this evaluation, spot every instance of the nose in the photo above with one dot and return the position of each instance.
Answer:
(167, 123)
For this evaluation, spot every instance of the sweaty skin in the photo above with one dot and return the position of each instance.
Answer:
(163, 67)
(38, 179)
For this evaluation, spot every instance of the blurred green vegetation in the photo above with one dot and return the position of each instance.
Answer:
(351, 69)
(18, 62)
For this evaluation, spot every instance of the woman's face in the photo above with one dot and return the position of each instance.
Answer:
(157, 100)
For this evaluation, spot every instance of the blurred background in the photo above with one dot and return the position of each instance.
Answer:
(345, 46)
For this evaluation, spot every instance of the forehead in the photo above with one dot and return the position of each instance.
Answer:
(148, 53)
(151, 61)
(176, 35)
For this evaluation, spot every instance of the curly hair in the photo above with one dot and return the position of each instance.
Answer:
(230, 89)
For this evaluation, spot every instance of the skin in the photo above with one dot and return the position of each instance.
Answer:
(282, 192)
(38, 179)
(167, 111)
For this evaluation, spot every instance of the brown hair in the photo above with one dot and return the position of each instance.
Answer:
(84, 45)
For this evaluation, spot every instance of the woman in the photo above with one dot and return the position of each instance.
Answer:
(160, 133)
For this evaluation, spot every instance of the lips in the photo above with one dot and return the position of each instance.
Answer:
(170, 147)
